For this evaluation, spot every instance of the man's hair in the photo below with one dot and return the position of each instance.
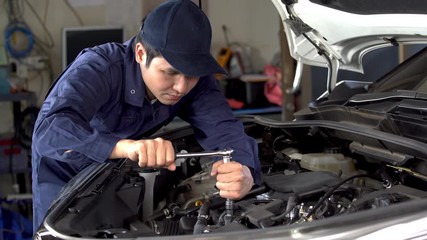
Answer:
(150, 51)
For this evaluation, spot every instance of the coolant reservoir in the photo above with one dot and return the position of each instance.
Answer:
(330, 162)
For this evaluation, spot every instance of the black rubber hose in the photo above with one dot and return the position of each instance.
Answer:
(292, 201)
(331, 191)
(202, 218)
(26, 122)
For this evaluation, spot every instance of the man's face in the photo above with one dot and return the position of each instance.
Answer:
(163, 81)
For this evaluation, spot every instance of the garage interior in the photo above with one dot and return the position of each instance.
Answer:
(248, 40)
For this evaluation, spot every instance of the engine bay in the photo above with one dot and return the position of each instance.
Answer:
(309, 173)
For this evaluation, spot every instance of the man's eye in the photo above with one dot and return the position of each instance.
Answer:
(171, 73)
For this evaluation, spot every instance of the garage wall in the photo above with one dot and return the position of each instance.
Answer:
(56, 15)
(250, 23)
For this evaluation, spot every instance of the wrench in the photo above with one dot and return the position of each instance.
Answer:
(226, 157)
(221, 153)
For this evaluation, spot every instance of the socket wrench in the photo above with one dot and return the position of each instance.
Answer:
(226, 157)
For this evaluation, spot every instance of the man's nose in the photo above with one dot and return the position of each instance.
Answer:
(180, 84)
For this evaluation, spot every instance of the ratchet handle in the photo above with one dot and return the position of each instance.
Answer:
(222, 153)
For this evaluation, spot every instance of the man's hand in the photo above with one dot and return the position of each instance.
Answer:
(234, 180)
(154, 153)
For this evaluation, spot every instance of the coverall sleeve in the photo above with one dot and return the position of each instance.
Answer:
(216, 127)
(63, 130)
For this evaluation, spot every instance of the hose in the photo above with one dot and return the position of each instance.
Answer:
(330, 192)
(202, 219)
(11, 32)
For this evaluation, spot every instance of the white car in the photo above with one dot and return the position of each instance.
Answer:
(352, 165)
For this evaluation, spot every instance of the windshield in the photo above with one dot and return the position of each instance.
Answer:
(409, 75)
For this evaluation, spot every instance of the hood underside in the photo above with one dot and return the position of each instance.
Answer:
(340, 32)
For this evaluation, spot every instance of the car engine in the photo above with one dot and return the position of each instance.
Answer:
(309, 174)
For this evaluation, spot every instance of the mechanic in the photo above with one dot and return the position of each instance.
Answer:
(108, 102)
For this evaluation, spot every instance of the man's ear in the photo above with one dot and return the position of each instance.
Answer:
(140, 53)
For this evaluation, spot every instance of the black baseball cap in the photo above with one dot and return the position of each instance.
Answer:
(181, 32)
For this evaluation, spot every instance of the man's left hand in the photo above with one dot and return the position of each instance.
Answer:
(234, 180)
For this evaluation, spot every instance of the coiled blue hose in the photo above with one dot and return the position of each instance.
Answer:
(12, 29)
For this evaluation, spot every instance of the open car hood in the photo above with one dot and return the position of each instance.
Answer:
(339, 33)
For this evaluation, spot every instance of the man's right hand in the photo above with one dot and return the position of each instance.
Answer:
(154, 153)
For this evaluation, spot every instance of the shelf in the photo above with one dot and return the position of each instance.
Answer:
(30, 97)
